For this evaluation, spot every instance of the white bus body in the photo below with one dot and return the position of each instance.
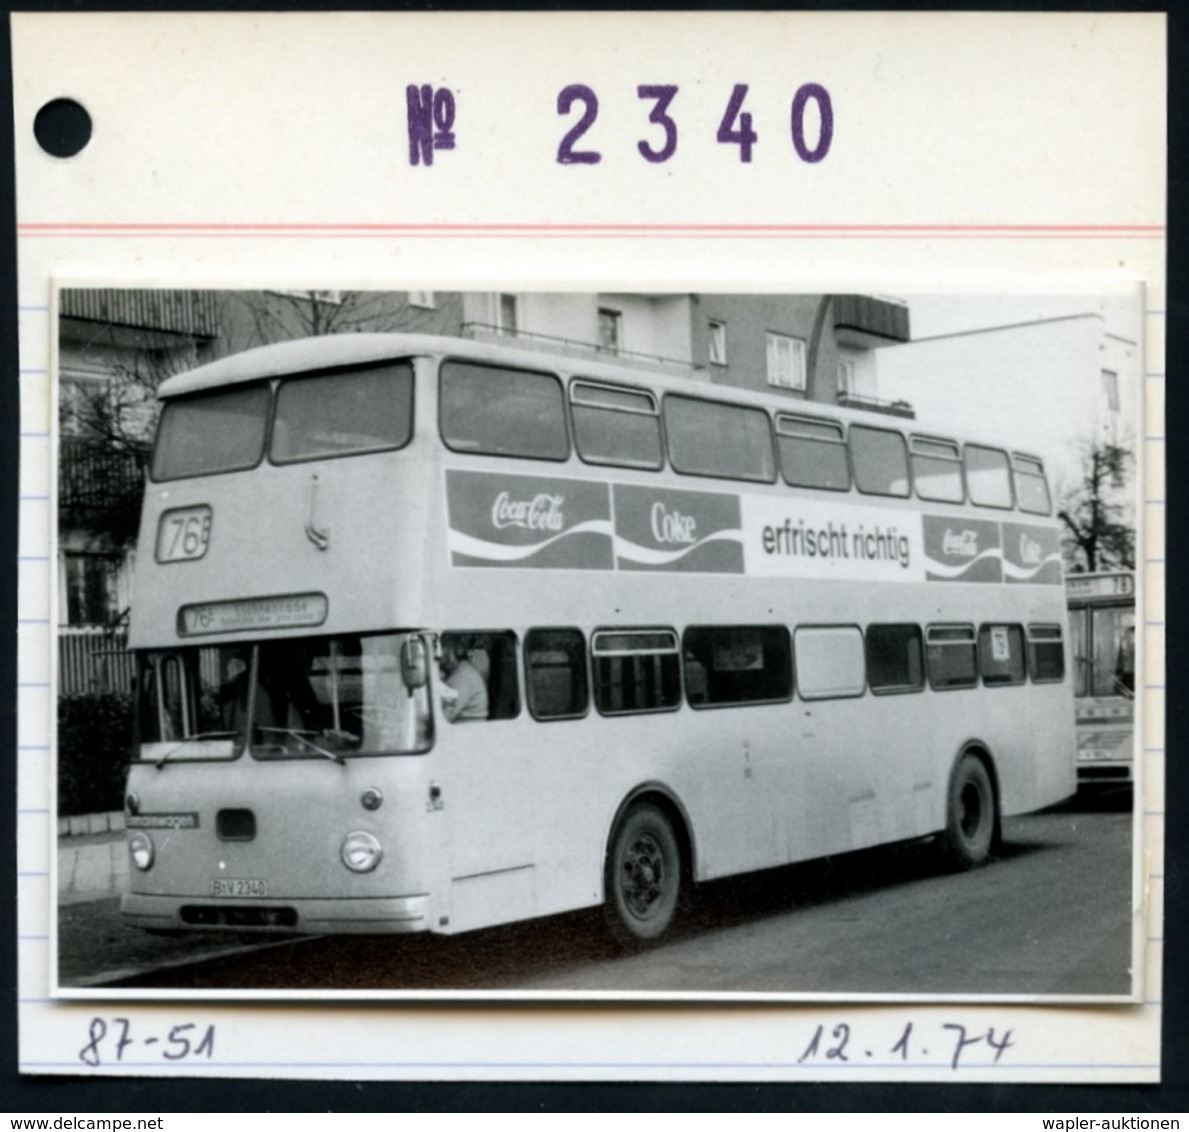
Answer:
(760, 661)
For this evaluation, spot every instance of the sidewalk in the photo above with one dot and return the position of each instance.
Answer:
(91, 867)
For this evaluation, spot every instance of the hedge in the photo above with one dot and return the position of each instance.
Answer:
(94, 746)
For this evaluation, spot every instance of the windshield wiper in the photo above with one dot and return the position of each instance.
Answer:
(193, 739)
(300, 736)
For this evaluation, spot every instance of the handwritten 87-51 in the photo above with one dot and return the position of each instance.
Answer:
(433, 115)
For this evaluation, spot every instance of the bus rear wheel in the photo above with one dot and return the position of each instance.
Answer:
(970, 817)
(642, 881)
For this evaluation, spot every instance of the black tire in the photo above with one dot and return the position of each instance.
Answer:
(971, 820)
(643, 877)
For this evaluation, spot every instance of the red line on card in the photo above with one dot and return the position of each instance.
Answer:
(591, 230)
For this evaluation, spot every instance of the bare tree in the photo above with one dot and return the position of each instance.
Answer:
(107, 431)
(1097, 513)
(273, 316)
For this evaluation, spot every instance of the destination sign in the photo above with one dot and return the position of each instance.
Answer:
(287, 612)
(1100, 585)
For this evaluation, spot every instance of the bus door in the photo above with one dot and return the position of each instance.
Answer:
(483, 783)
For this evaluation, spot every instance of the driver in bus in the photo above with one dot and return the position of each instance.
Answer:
(463, 692)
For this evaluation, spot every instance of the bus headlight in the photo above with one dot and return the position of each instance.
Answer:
(361, 852)
(140, 848)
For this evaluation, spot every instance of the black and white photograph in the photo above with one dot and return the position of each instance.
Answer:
(593, 645)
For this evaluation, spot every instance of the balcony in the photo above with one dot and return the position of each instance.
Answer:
(571, 347)
(877, 405)
(870, 321)
(193, 313)
(92, 476)
(94, 659)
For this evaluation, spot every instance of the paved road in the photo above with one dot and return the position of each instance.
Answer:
(1050, 917)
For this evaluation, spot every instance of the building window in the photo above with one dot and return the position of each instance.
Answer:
(332, 298)
(91, 596)
(610, 326)
(846, 377)
(507, 313)
(786, 362)
(423, 299)
(1110, 389)
(718, 343)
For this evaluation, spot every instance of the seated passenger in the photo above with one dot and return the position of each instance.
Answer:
(463, 692)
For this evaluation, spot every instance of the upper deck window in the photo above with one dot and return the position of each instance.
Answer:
(708, 438)
(211, 433)
(614, 425)
(987, 477)
(937, 470)
(880, 460)
(1032, 489)
(812, 452)
(340, 414)
(503, 412)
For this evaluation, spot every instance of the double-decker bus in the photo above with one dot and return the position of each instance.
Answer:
(434, 635)
(1102, 641)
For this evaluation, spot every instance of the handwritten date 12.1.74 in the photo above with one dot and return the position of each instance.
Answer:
(963, 1047)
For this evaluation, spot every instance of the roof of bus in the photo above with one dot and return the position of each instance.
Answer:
(302, 355)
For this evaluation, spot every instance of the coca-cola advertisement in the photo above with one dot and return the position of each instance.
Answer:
(528, 522)
(961, 549)
(692, 531)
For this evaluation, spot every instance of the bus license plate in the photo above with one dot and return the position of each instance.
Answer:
(236, 888)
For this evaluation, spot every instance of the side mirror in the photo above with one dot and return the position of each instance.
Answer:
(414, 663)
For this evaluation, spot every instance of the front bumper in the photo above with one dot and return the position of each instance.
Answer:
(380, 916)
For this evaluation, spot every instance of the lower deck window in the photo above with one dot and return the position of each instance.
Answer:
(1001, 654)
(737, 664)
(1046, 654)
(555, 673)
(829, 661)
(894, 658)
(952, 657)
(636, 671)
(490, 658)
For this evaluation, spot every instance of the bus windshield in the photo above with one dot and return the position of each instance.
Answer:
(326, 697)
(315, 416)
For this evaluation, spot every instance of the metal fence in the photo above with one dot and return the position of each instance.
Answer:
(94, 658)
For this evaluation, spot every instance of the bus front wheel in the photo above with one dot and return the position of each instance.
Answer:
(970, 819)
(642, 882)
